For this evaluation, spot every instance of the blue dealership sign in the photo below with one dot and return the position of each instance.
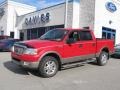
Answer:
(111, 7)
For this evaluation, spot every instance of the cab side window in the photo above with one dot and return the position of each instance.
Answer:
(74, 36)
(85, 35)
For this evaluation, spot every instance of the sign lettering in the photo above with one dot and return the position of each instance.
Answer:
(43, 18)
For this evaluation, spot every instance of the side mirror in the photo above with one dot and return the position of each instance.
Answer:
(70, 41)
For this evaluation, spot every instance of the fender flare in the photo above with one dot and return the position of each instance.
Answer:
(102, 50)
(50, 52)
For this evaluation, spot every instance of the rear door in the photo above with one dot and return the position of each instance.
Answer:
(88, 43)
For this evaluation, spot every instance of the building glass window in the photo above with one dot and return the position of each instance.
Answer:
(21, 35)
(85, 35)
(34, 33)
(41, 31)
(104, 35)
(109, 36)
(28, 34)
(11, 34)
(37, 32)
(108, 33)
(2, 32)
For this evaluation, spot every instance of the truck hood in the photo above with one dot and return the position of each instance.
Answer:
(39, 43)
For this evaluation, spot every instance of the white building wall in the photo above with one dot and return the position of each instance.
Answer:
(20, 8)
(103, 17)
(57, 17)
(14, 10)
(87, 13)
(69, 14)
(73, 14)
(76, 14)
(3, 19)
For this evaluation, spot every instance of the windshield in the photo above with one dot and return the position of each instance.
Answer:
(56, 34)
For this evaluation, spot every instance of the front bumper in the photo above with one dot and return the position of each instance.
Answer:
(31, 65)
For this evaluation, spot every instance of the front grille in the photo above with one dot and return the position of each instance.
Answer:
(19, 49)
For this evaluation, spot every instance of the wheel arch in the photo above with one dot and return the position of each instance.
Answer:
(53, 54)
(105, 49)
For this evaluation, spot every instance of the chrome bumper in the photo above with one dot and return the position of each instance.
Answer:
(31, 65)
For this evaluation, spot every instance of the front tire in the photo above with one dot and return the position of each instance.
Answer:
(48, 66)
(103, 58)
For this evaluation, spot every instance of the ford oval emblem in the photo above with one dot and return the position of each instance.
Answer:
(111, 7)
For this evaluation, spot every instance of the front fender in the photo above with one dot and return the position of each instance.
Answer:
(44, 53)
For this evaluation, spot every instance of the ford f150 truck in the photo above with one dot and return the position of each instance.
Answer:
(59, 47)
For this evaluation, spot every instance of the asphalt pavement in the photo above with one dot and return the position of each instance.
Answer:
(84, 77)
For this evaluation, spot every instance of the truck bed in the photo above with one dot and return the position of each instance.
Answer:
(108, 43)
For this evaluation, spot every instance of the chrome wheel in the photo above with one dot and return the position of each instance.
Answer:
(104, 58)
(50, 67)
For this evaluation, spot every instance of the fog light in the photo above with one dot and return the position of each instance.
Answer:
(25, 63)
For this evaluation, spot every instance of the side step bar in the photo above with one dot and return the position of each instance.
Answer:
(77, 64)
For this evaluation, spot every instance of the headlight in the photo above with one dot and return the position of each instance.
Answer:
(30, 51)
(12, 49)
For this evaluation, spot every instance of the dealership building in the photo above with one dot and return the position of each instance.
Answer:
(26, 22)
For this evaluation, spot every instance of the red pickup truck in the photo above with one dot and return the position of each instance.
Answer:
(60, 47)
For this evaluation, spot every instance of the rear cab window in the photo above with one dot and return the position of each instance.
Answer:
(85, 35)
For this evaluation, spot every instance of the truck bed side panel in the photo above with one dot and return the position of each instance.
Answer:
(104, 43)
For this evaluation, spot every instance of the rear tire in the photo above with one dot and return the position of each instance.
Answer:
(48, 66)
(103, 58)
